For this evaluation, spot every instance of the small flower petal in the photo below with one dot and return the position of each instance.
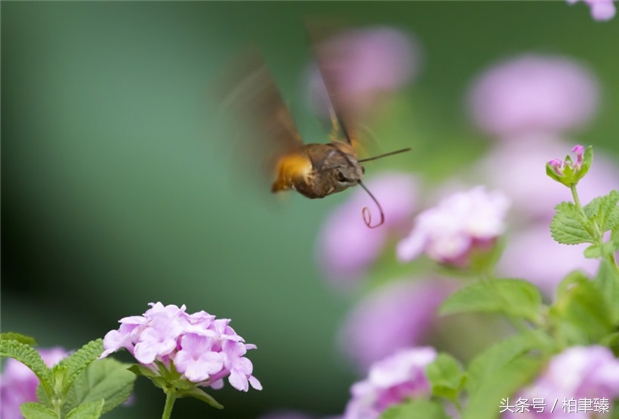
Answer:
(255, 383)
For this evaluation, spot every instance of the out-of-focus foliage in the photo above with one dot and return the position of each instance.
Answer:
(121, 186)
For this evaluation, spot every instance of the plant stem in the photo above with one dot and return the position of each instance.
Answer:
(575, 196)
(169, 404)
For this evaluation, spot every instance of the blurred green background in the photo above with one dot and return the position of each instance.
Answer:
(116, 186)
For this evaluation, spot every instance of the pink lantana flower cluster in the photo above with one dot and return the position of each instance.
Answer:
(579, 374)
(202, 348)
(391, 381)
(462, 223)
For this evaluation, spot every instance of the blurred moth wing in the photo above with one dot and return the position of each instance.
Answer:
(335, 47)
(330, 61)
(269, 139)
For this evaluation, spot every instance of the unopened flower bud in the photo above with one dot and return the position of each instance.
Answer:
(569, 172)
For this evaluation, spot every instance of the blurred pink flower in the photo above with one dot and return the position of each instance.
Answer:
(533, 93)
(287, 414)
(578, 373)
(390, 381)
(362, 64)
(600, 9)
(532, 254)
(518, 168)
(346, 246)
(396, 316)
(294, 414)
(462, 223)
(18, 384)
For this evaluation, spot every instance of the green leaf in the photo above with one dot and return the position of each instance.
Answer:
(90, 410)
(516, 297)
(501, 383)
(580, 314)
(602, 210)
(568, 226)
(32, 410)
(28, 356)
(78, 362)
(159, 381)
(614, 238)
(571, 279)
(58, 374)
(105, 379)
(607, 280)
(550, 171)
(500, 354)
(587, 161)
(445, 376)
(415, 409)
(612, 341)
(200, 395)
(26, 340)
(596, 251)
(613, 219)
(608, 248)
(139, 370)
(43, 397)
(593, 252)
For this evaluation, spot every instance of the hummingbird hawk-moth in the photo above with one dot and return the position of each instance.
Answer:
(314, 170)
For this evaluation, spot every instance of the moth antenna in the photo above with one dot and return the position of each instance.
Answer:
(367, 215)
(380, 156)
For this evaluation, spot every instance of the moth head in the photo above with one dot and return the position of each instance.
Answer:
(349, 174)
(343, 164)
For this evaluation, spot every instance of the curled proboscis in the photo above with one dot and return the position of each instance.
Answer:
(367, 215)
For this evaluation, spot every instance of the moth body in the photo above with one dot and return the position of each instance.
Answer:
(319, 170)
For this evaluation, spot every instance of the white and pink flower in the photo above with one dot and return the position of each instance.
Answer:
(578, 373)
(391, 381)
(601, 10)
(203, 349)
(460, 224)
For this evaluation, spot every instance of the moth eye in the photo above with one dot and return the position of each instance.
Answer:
(340, 176)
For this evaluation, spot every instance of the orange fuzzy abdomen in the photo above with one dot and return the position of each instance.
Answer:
(290, 170)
